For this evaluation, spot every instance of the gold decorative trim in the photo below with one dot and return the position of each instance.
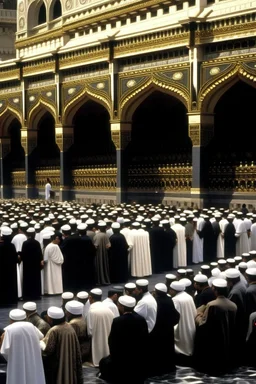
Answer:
(41, 102)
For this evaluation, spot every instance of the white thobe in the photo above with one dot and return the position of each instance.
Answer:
(184, 331)
(140, 253)
(21, 348)
(18, 241)
(253, 237)
(53, 260)
(48, 188)
(180, 248)
(126, 231)
(220, 239)
(112, 306)
(242, 243)
(198, 243)
(99, 322)
(147, 308)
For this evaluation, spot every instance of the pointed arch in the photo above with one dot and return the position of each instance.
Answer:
(211, 92)
(55, 10)
(37, 112)
(6, 117)
(130, 103)
(73, 106)
(36, 14)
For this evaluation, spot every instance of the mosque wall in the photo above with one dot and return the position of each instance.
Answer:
(117, 54)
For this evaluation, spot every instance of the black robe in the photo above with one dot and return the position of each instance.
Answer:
(31, 255)
(128, 344)
(163, 359)
(229, 241)
(8, 268)
(169, 242)
(209, 246)
(118, 258)
(216, 231)
(87, 272)
(156, 235)
(204, 297)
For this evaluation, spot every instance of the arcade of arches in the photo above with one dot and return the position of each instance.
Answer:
(156, 157)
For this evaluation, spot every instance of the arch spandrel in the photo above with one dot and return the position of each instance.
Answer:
(6, 117)
(211, 91)
(37, 111)
(80, 99)
(133, 99)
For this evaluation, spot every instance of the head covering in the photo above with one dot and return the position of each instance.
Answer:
(182, 271)
(67, 295)
(17, 314)
(161, 287)
(215, 272)
(177, 286)
(200, 278)
(115, 225)
(251, 264)
(82, 295)
(65, 228)
(96, 291)
(55, 312)
(74, 307)
(251, 271)
(186, 282)
(243, 265)
(6, 231)
(142, 282)
(171, 276)
(130, 286)
(219, 283)
(222, 261)
(30, 230)
(81, 227)
(232, 273)
(127, 301)
(29, 306)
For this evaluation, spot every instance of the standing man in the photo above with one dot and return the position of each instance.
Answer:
(53, 260)
(102, 244)
(146, 303)
(118, 256)
(48, 188)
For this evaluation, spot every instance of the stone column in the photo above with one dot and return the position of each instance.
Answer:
(64, 139)
(6, 186)
(29, 143)
(201, 131)
(121, 136)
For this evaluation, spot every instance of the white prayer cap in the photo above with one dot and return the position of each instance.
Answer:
(200, 278)
(243, 265)
(23, 224)
(130, 286)
(72, 221)
(238, 258)
(142, 282)
(90, 221)
(161, 287)
(96, 291)
(231, 260)
(182, 271)
(230, 216)
(29, 306)
(251, 271)
(47, 235)
(215, 272)
(214, 264)
(67, 295)
(155, 218)
(253, 253)
(127, 220)
(65, 227)
(120, 220)
(81, 227)
(37, 226)
(82, 295)
(136, 224)
(30, 230)
(186, 282)
(6, 231)
(115, 225)
(55, 312)
(232, 273)
(102, 223)
(177, 286)
(219, 283)
(74, 307)
(17, 314)
(222, 261)
(164, 222)
(251, 264)
(171, 276)
(14, 225)
(127, 301)
(205, 266)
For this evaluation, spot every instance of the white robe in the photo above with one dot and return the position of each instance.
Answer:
(53, 260)
(140, 253)
(180, 248)
(126, 231)
(48, 188)
(112, 306)
(147, 308)
(184, 331)
(242, 243)
(198, 243)
(18, 241)
(253, 237)
(220, 240)
(99, 322)
(21, 348)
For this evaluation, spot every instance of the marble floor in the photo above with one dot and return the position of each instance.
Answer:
(184, 375)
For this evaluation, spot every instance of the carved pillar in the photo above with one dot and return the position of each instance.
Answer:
(64, 139)
(29, 143)
(121, 136)
(6, 187)
(201, 131)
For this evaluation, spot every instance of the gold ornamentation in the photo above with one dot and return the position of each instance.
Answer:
(194, 133)
(68, 4)
(71, 91)
(16, 100)
(18, 179)
(115, 135)
(32, 98)
(21, 22)
(100, 86)
(42, 173)
(131, 83)
(98, 177)
(64, 142)
(177, 76)
(49, 94)
(214, 71)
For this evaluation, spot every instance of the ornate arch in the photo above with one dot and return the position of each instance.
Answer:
(33, 12)
(211, 91)
(6, 118)
(133, 99)
(37, 112)
(76, 102)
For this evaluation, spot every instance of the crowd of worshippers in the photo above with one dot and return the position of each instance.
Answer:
(48, 248)
(205, 319)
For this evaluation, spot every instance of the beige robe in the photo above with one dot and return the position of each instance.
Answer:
(53, 260)
(138, 241)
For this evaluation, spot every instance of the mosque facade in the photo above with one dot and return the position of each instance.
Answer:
(129, 100)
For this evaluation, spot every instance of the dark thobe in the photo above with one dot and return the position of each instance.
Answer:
(229, 241)
(204, 297)
(31, 255)
(39, 323)
(102, 243)
(118, 258)
(156, 235)
(88, 276)
(128, 335)
(62, 356)
(216, 231)
(217, 337)
(189, 231)
(169, 242)
(209, 245)
(250, 300)
(163, 360)
(8, 268)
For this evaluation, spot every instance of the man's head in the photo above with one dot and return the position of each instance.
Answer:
(160, 290)
(17, 315)
(55, 316)
(95, 294)
(141, 288)
(115, 292)
(129, 289)
(176, 287)
(66, 296)
(200, 282)
(74, 309)
(126, 304)
(29, 307)
(233, 276)
(82, 296)
(220, 287)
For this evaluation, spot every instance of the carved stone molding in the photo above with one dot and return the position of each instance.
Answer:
(194, 133)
